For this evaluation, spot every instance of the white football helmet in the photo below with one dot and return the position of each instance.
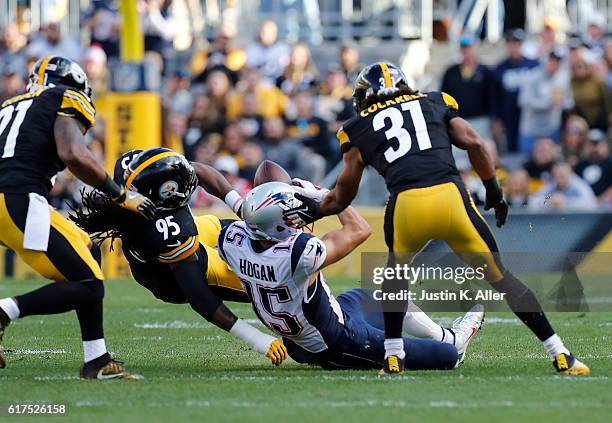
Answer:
(263, 209)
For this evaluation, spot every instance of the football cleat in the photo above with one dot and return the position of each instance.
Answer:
(4, 322)
(392, 365)
(111, 369)
(465, 328)
(568, 365)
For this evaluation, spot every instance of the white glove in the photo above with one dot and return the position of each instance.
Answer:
(308, 189)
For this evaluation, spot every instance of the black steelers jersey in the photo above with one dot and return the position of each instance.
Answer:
(28, 155)
(405, 139)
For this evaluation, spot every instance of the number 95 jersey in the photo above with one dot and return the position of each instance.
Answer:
(28, 154)
(405, 139)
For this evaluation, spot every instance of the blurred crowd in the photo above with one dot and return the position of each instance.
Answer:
(544, 110)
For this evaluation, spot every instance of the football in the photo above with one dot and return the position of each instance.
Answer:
(269, 171)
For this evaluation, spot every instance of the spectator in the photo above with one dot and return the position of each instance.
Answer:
(203, 120)
(95, 66)
(596, 167)
(547, 40)
(517, 188)
(608, 59)
(228, 167)
(335, 102)
(221, 52)
(175, 130)
(286, 152)
(218, 86)
(156, 24)
(233, 141)
(270, 101)
(311, 131)
(250, 120)
(65, 193)
(565, 191)
(252, 155)
(574, 138)
(544, 95)
(11, 83)
(268, 54)
(11, 48)
(207, 149)
(594, 36)
(545, 154)
(176, 95)
(300, 74)
(103, 21)
(349, 60)
(509, 74)
(590, 95)
(52, 43)
(471, 84)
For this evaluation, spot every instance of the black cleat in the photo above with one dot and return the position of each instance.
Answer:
(392, 365)
(4, 322)
(104, 368)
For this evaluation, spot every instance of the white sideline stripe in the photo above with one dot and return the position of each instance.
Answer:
(36, 352)
(181, 324)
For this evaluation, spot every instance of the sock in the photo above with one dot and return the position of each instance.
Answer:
(448, 336)
(93, 349)
(394, 346)
(418, 324)
(525, 305)
(10, 307)
(554, 345)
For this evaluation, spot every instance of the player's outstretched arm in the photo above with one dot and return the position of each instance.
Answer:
(347, 184)
(465, 137)
(341, 242)
(216, 184)
(194, 285)
(71, 149)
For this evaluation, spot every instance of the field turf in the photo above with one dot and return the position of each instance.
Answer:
(195, 371)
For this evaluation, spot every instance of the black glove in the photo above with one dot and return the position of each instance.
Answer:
(306, 213)
(495, 200)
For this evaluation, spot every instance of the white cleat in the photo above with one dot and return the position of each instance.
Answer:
(465, 328)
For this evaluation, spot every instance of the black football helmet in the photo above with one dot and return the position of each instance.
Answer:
(58, 70)
(378, 78)
(163, 176)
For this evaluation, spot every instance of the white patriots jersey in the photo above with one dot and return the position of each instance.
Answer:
(276, 281)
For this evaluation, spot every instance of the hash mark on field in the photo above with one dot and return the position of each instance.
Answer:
(36, 352)
(181, 324)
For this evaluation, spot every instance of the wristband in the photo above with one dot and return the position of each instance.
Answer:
(254, 338)
(234, 200)
(110, 188)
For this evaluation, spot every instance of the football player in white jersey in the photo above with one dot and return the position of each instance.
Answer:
(280, 269)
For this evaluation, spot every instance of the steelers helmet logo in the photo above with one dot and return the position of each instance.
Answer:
(168, 189)
(77, 73)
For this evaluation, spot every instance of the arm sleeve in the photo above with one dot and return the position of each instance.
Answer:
(187, 248)
(77, 105)
(191, 278)
(307, 256)
(343, 139)
(452, 107)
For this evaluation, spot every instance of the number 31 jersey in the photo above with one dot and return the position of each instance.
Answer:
(28, 155)
(405, 139)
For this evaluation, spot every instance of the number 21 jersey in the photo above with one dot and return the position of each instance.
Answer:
(405, 139)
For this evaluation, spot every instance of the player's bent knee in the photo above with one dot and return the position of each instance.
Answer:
(95, 289)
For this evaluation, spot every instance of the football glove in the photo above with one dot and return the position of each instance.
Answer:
(307, 212)
(277, 353)
(308, 189)
(495, 200)
(136, 203)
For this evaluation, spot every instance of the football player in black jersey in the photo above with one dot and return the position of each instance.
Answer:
(41, 133)
(174, 256)
(407, 137)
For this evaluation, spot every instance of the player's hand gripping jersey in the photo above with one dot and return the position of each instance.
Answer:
(405, 139)
(28, 153)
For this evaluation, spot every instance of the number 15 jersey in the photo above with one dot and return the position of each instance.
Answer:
(406, 139)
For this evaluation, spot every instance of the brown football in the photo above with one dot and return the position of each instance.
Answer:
(269, 171)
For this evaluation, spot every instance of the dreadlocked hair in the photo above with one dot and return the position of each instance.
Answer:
(375, 98)
(99, 216)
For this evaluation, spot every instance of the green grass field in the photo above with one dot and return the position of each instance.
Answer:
(195, 371)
